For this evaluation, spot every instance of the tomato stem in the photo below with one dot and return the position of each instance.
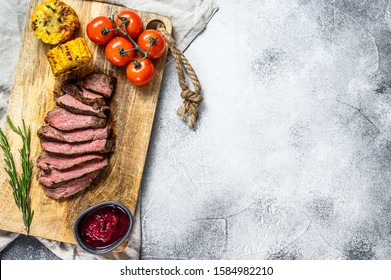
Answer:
(124, 20)
(136, 63)
(152, 41)
(123, 52)
(105, 31)
(149, 48)
(125, 33)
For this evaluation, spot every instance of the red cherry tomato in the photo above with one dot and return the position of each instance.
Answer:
(135, 25)
(120, 51)
(153, 41)
(140, 71)
(100, 30)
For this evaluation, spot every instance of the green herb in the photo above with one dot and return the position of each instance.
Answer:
(47, 32)
(76, 57)
(59, 20)
(45, 23)
(51, 8)
(20, 183)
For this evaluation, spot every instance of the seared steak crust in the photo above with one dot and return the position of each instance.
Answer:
(72, 187)
(73, 105)
(64, 120)
(96, 146)
(99, 83)
(48, 162)
(89, 98)
(57, 178)
(74, 136)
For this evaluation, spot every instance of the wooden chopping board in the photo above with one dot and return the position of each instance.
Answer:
(132, 109)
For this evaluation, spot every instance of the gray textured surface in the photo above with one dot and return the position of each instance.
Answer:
(26, 248)
(291, 159)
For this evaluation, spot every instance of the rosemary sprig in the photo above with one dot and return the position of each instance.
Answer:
(20, 184)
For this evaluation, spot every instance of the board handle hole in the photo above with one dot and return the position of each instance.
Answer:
(153, 24)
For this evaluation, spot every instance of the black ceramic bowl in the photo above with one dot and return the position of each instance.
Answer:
(125, 221)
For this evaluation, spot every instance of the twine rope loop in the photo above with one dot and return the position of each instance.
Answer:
(191, 98)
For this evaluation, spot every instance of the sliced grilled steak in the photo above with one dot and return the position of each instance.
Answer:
(72, 187)
(49, 162)
(99, 83)
(73, 105)
(96, 146)
(64, 120)
(87, 97)
(57, 178)
(74, 136)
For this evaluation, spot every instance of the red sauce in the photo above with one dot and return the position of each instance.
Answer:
(104, 226)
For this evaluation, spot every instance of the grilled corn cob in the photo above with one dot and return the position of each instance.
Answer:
(54, 22)
(70, 56)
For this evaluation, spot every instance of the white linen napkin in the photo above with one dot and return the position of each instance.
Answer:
(189, 18)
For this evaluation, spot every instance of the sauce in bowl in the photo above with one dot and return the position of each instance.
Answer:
(103, 227)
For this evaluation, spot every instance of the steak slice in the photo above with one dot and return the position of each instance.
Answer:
(96, 146)
(57, 178)
(84, 135)
(99, 83)
(64, 120)
(87, 97)
(48, 162)
(73, 105)
(72, 187)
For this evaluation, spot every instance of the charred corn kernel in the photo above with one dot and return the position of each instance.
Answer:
(70, 56)
(54, 22)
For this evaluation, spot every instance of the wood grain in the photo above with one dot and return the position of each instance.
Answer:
(133, 109)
